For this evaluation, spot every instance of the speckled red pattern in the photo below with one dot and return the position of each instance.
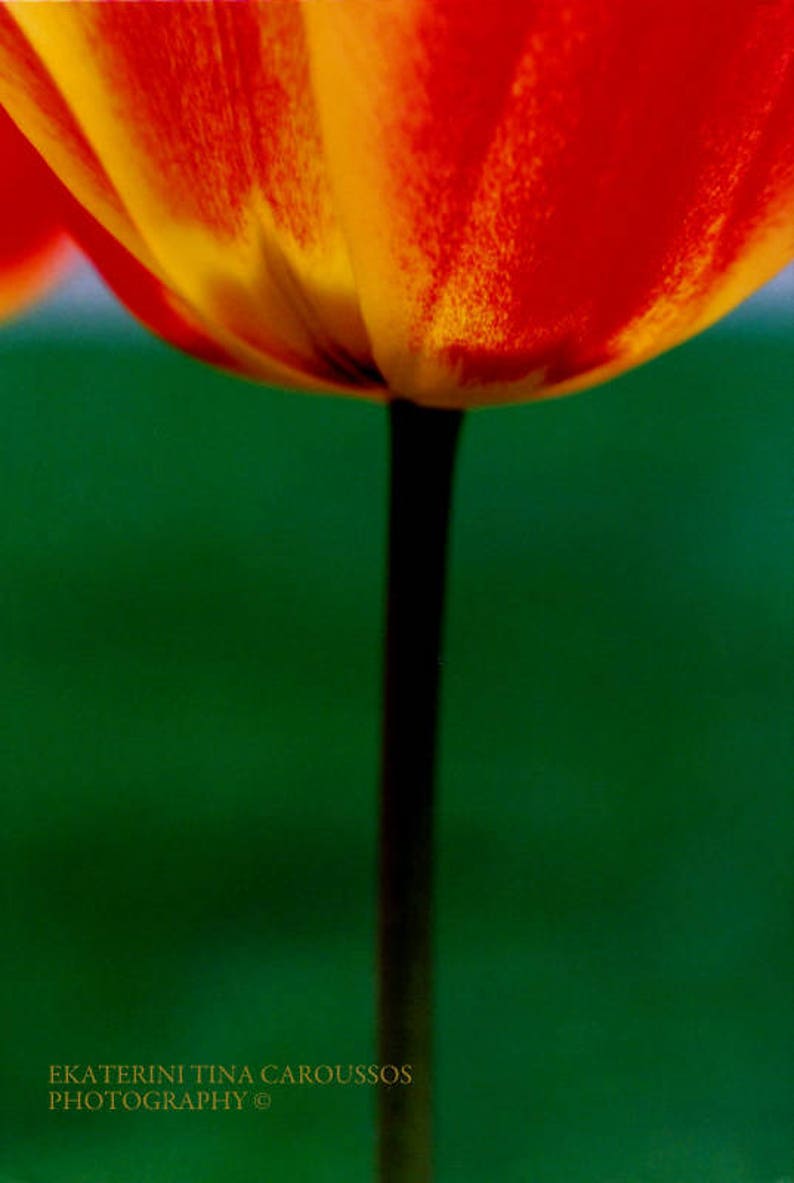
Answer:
(562, 167)
(218, 96)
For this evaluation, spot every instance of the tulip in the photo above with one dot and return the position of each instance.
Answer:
(439, 203)
(457, 202)
(32, 241)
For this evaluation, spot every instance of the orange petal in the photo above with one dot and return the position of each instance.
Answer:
(33, 247)
(192, 137)
(539, 195)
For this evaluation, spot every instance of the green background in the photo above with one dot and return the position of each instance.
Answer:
(190, 614)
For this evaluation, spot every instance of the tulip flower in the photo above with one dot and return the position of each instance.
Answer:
(438, 203)
(457, 202)
(32, 241)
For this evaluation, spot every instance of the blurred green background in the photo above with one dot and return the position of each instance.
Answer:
(190, 607)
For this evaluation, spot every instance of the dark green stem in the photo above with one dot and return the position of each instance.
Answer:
(423, 447)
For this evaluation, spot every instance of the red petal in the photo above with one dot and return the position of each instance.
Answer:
(540, 193)
(32, 242)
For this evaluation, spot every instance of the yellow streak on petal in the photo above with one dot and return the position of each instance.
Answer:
(389, 267)
(691, 304)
